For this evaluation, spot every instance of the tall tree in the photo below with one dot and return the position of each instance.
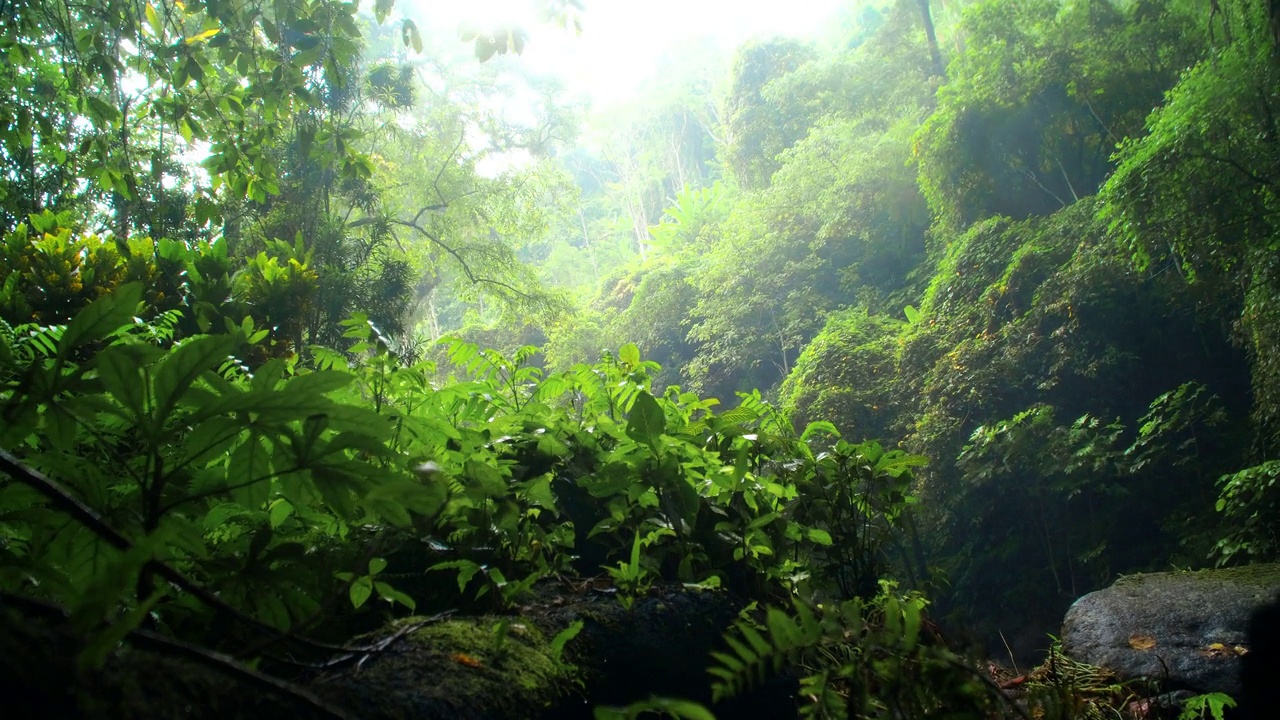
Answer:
(931, 36)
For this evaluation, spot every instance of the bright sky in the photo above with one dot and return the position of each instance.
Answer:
(622, 40)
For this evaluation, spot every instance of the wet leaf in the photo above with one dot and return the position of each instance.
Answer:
(1141, 642)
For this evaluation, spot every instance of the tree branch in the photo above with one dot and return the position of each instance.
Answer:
(466, 269)
(86, 516)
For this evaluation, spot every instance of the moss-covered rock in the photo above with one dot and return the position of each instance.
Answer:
(1184, 628)
(476, 667)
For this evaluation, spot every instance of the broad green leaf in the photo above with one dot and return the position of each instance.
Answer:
(360, 591)
(101, 318)
(466, 570)
(647, 421)
(818, 426)
(120, 370)
(382, 8)
(563, 637)
(338, 489)
(154, 21)
(539, 493)
(486, 478)
(280, 511)
(410, 36)
(102, 643)
(819, 536)
(248, 472)
(426, 498)
(60, 426)
(684, 709)
(629, 354)
(182, 366)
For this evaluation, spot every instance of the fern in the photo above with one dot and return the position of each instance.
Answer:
(860, 658)
(32, 342)
(756, 654)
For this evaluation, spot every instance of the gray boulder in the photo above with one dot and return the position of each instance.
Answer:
(1187, 629)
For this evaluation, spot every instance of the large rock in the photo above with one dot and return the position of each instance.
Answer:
(1187, 629)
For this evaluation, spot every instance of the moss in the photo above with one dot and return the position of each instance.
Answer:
(462, 669)
(847, 375)
(1261, 575)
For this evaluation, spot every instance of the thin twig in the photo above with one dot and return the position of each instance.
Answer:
(1010, 651)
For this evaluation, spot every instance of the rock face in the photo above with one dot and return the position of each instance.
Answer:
(1186, 629)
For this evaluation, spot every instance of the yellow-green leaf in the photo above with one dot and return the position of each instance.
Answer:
(154, 21)
(204, 36)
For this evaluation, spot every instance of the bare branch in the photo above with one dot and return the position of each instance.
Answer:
(466, 268)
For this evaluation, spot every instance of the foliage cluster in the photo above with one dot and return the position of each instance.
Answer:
(164, 481)
(293, 204)
(1071, 355)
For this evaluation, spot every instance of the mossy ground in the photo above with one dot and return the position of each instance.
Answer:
(463, 668)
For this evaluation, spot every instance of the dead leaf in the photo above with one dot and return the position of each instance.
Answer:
(1141, 642)
(464, 659)
(1219, 650)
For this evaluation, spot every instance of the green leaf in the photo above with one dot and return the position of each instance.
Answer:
(818, 426)
(684, 709)
(382, 8)
(425, 499)
(202, 37)
(101, 318)
(280, 511)
(818, 535)
(182, 366)
(95, 652)
(466, 570)
(629, 354)
(410, 36)
(387, 592)
(154, 21)
(913, 315)
(119, 369)
(247, 472)
(538, 492)
(563, 637)
(320, 382)
(360, 591)
(486, 478)
(60, 426)
(647, 421)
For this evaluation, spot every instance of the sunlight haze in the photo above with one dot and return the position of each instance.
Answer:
(622, 42)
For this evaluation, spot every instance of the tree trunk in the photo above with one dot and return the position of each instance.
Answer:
(935, 56)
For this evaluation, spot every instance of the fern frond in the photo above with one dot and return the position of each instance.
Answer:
(755, 656)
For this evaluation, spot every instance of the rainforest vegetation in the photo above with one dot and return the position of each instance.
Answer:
(314, 314)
